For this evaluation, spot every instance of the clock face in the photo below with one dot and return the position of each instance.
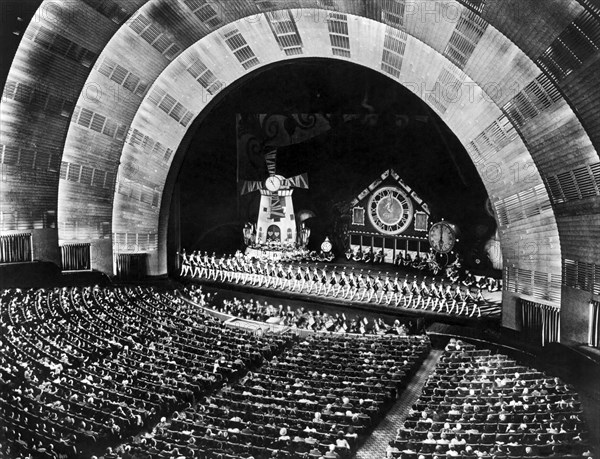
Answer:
(326, 246)
(442, 237)
(273, 183)
(390, 210)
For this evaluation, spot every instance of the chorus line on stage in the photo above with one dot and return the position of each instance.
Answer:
(346, 284)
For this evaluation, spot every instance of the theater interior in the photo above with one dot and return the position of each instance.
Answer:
(300, 229)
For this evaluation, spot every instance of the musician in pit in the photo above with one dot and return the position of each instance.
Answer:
(398, 261)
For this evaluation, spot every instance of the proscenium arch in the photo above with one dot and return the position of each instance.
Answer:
(126, 208)
(472, 105)
(510, 52)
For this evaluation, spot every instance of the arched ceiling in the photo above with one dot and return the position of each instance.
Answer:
(100, 95)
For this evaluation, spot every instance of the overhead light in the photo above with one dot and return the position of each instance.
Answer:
(16, 32)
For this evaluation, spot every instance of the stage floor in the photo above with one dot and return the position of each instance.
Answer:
(490, 308)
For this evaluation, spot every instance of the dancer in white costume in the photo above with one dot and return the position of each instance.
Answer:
(185, 264)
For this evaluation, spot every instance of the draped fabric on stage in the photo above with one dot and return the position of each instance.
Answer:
(594, 331)
(541, 323)
(75, 257)
(15, 248)
(131, 265)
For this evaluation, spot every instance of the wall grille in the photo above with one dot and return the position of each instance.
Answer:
(537, 96)
(576, 44)
(39, 97)
(326, 3)
(285, 31)
(22, 219)
(138, 192)
(241, 49)
(392, 13)
(168, 104)
(204, 11)
(523, 205)
(99, 123)
(155, 37)
(30, 158)
(60, 45)
(86, 175)
(475, 5)
(591, 6)
(581, 275)
(394, 46)
(146, 143)
(492, 139)
(265, 5)
(109, 9)
(446, 90)
(337, 24)
(123, 77)
(580, 183)
(467, 34)
(538, 284)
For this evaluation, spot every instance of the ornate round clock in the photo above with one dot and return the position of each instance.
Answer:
(273, 183)
(390, 210)
(326, 245)
(442, 237)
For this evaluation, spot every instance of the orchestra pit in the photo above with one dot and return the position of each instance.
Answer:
(300, 229)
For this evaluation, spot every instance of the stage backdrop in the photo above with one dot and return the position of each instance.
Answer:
(289, 135)
(388, 215)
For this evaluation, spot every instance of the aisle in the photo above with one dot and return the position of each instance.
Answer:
(376, 444)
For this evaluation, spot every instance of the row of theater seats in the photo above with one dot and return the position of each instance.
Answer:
(83, 369)
(316, 399)
(482, 405)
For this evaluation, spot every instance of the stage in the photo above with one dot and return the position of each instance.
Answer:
(490, 309)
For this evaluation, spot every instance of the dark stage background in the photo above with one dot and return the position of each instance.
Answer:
(395, 129)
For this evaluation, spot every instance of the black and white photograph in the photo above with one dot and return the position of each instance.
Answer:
(300, 229)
